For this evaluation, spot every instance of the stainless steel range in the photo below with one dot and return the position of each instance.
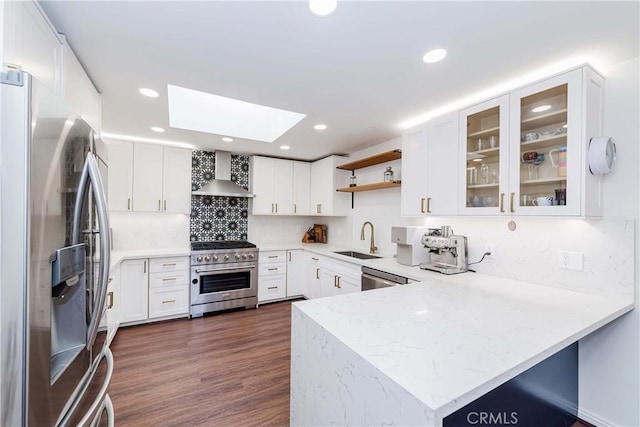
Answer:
(224, 274)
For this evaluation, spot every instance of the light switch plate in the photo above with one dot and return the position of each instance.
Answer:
(571, 260)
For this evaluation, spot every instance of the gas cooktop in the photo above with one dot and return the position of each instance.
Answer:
(221, 244)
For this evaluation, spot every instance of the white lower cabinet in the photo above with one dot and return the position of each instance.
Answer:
(154, 288)
(337, 277)
(134, 286)
(272, 276)
(296, 280)
(114, 302)
(312, 275)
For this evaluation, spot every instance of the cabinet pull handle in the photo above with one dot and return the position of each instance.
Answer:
(428, 204)
(335, 281)
(169, 279)
(315, 259)
(168, 264)
(273, 269)
(276, 208)
(295, 208)
(168, 301)
(273, 256)
(110, 296)
(339, 286)
(145, 267)
(511, 196)
(319, 208)
(317, 273)
(422, 205)
(165, 205)
(129, 204)
(501, 202)
(272, 287)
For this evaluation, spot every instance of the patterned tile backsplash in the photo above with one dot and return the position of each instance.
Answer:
(218, 217)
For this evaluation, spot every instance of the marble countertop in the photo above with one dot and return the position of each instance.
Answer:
(118, 256)
(450, 339)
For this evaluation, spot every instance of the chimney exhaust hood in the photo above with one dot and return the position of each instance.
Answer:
(222, 184)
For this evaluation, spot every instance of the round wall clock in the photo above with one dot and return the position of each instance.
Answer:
(602, 155)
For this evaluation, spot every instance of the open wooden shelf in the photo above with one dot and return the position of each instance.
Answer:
(367, 187)
(387, 156)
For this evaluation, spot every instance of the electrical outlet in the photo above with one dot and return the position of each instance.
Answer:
(570, 261)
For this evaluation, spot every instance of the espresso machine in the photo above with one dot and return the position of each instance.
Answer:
(410, 250)
(448, 252)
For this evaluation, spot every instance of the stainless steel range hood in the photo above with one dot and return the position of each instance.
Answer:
(222, 184)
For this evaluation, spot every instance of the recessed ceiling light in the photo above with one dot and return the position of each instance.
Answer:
(284, 147)
(540, 108)
(320, 127)
(149, 92)
(323, 7)
(157, 129)
(205, 112)
(227, 139)
(434, 55)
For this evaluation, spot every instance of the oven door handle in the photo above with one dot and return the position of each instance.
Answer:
(224, 269)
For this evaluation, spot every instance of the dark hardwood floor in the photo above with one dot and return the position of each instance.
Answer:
(229, 369)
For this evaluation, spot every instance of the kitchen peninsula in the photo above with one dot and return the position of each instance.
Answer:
(414, 354)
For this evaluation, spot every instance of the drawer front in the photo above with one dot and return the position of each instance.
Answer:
(272, 287)
(270, 269)
(163, 280)
(157, 265)
(273, 256)
(169, 301)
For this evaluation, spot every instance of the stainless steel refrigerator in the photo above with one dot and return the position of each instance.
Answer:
(55, 366)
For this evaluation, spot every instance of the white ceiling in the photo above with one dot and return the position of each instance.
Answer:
(358, 70)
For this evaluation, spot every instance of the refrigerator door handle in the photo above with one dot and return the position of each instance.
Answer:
(102, 394)
(107, 406)
(91, 176)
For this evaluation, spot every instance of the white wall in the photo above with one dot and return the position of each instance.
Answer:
(138, 230)
(610, 358)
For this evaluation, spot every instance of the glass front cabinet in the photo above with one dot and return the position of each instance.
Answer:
(526, 152)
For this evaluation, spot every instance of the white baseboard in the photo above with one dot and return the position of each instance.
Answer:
(594, 419)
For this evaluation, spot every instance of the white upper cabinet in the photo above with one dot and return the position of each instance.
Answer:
(281, 186)
(325, 178)
(526, 153)
(149, 178)
(271, 182)
(301, 187)
(120, 176)
(430, 168)
(31, 42)
(176, 180)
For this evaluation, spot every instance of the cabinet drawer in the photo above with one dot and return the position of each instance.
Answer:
(273, 256)
(272, 268)
(171, 278)
(168, 264)
(272, 287)
(169, 301)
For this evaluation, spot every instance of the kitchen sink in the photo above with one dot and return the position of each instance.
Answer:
(358, 255)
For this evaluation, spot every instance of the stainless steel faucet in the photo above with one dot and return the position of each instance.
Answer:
(372, 248)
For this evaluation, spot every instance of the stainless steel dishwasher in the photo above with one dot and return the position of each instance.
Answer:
(375, 279)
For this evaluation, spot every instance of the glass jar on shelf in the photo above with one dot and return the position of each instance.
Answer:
(388, 175)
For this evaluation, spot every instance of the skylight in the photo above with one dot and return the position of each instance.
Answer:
(204, 112)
